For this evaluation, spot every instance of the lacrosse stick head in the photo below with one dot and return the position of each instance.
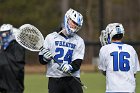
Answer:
(30, 37)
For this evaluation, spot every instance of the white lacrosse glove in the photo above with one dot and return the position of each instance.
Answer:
(65, 67)
(47, 55)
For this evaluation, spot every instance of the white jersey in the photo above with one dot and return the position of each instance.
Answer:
(64, 50)
(120, 62)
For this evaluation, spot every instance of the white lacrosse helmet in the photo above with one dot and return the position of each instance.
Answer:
(76, 17)
(6, 28)
(113, 29)
(104, 38)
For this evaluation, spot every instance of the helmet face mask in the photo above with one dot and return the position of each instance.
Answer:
(4, 34)
(113, 29)
(73, 25)
(73, 21)
(5, 30)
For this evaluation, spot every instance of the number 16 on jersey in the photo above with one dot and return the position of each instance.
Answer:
(120, 61)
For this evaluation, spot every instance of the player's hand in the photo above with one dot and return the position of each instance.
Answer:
(65, 67)
(47, 55)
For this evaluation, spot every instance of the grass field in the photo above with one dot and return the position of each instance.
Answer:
(37, 83)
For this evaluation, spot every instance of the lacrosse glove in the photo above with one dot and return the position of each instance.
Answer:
(66, 67)
(47, 55)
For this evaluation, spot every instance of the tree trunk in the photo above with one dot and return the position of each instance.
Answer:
(64, 6)
(90, 50)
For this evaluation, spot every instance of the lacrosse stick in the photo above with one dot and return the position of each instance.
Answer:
(32, 39)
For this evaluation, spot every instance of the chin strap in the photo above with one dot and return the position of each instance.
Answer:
(64, 33)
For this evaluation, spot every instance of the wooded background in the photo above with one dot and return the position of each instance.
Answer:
(47, 15)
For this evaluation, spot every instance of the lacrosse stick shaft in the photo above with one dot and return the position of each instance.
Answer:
(72, 75)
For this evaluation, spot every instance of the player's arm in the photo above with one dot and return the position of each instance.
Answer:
(102, 64)
(135, 75)
(76, 64)
(136, 65)
(77, 56)
(45, 56)
(41, 60)
(19, 52)
(103, 72)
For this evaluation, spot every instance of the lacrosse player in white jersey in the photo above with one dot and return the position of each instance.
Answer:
(118, 61)
(67, 48)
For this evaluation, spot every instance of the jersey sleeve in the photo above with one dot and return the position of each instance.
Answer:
(46, 43)
(101, 64)
(136, 65)
(79, 51)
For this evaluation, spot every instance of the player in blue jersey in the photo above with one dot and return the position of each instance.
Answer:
(67, 48)
(118, 61)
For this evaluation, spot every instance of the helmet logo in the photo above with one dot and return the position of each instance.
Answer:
(118, 29)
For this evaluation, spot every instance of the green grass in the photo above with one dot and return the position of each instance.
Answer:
(35, 83)
(95, 82)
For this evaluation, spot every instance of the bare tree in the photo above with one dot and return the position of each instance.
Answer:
(108, 9)
(90, 30)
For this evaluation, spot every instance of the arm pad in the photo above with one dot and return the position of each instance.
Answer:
(76, 64)
(41, 60)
